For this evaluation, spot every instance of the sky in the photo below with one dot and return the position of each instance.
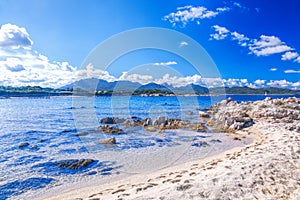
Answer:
(251, 43)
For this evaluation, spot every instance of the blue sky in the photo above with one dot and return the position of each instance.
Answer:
(253, 43)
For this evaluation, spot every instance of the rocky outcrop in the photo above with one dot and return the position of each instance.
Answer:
(108, 141)
(229, 115)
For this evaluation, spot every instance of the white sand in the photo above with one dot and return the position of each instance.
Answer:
(269, 168)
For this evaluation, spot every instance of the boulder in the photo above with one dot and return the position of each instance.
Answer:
(203, 114)
(107, 120)
(172, 124)
(128, 123)
(147, 122)
(109, 141)
(190, 113)
(160, 121)
(197, 127)
(110, 129)
(150, 128)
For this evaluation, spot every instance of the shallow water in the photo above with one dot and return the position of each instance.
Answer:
(50, 125)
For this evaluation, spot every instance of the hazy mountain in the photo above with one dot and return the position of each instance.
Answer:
(93, 84)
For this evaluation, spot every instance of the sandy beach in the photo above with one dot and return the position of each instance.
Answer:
(268, 168)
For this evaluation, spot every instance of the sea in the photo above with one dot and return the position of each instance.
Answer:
(38, 134)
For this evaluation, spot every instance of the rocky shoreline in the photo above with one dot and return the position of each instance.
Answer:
(268, 168)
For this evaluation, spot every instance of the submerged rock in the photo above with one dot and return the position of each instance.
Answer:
(107, 120)
(81, 134)
(25, 144)
(110, 129)
(108, 141)
(112, 120)
(75, 164)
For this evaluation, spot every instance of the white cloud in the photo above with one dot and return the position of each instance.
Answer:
(279, 83)
(12, 36)
(188, 14)
(234, 82)
(268, 45)
(260, 82)
(273, 69)
(183, 43)
(291, 71)
(165, 63)
(221, 33)
(241, 38)
(264, 46)
(91, 72)
(223, 9)
(20, 65)
(289, 55)
(142, 79)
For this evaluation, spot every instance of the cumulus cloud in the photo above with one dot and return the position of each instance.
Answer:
(221, 33)
(260, 82)
(187, 14)
(241, 38)
(91, 72)
(142, 79)
(273, 69)
(264, 46)
(289, 55)
(20, 65)
(12, 36)
(268, 45)
(165, 63)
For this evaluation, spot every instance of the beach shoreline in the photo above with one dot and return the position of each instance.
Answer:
(268, 168)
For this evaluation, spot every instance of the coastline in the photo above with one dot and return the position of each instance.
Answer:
(84, 191)
(268, 168)
(201, 176)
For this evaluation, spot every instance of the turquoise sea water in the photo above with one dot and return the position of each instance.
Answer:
(49, 127)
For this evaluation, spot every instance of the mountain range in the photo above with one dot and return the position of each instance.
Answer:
(94, 84)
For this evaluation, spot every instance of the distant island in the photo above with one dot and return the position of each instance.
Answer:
(100, 87)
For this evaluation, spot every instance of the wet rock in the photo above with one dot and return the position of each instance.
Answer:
(172, 124)
(147, 122)
(197, 127)
(109, 141)
(25, 144)
(160, 121)
(203, 114)
(107, 120)
(150, 128)
(128, 123)
(81, 134)
(119, 120)
(75, 164)
(110, 129)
